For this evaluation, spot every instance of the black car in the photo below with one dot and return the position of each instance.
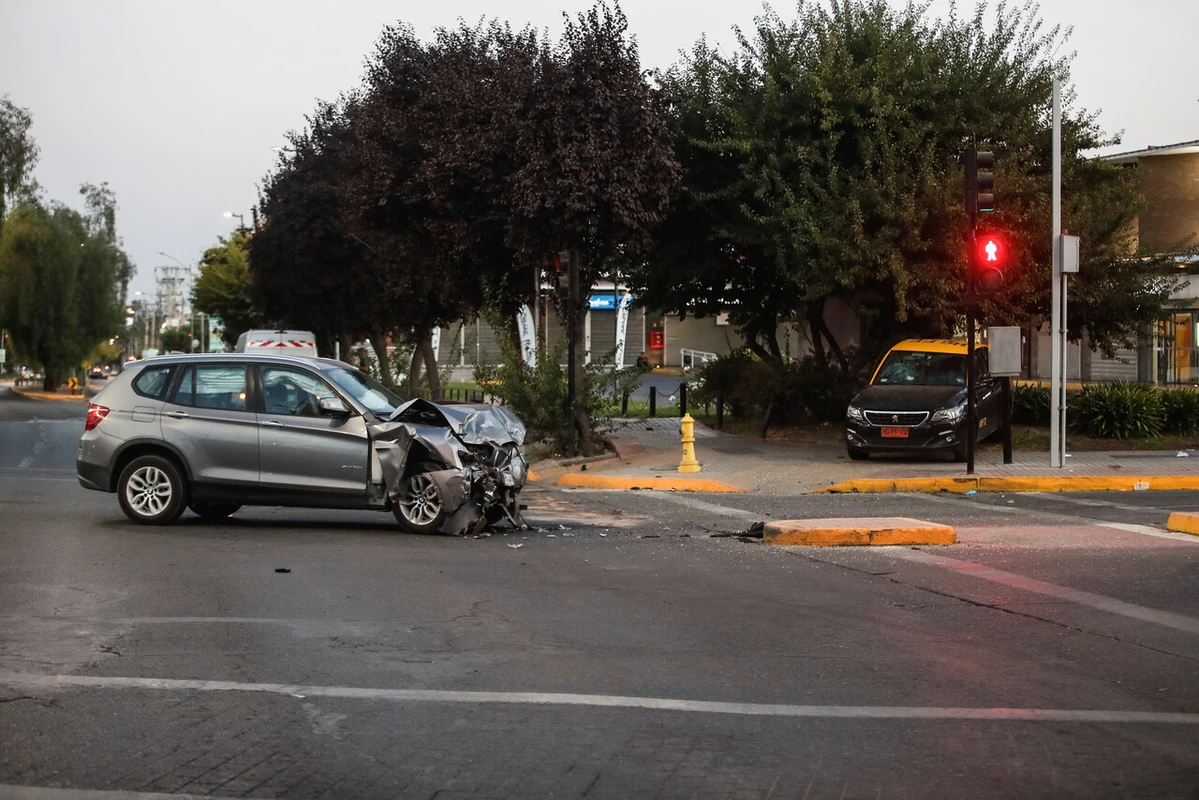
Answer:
(916, 401)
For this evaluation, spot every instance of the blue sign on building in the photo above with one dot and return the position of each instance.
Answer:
(602, 302)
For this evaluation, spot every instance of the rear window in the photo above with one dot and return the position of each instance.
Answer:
(213, 386)
(153, 382)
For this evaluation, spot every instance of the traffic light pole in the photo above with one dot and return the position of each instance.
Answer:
(971, 315)
(971, 305)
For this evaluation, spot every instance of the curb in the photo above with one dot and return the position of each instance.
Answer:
(1069, 483)
(857, 531)
(47, 395)
(580, 480)
(1183, 523)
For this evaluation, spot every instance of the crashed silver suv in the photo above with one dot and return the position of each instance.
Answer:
(218, 431)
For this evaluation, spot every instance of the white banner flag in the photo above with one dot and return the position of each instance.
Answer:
(622, 327)
(437, 345)
(528, 337)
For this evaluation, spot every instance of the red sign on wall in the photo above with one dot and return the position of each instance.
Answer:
(657, 340)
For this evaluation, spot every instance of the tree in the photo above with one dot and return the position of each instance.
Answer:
(823, 158)
(59, 287)
(595, 166)
(223, 287)
(307, 271)
(18, 155)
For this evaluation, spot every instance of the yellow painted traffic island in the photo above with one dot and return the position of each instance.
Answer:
(1183, 523)
(856, 531)
(590, 480)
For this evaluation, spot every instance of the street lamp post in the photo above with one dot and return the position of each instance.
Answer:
(241, 220)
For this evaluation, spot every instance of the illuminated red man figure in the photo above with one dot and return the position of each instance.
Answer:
(992, 249)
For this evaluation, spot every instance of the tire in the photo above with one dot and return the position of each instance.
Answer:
(959, 454)
(857, 454)
(152, 491)
(418, 509)
(214, 511)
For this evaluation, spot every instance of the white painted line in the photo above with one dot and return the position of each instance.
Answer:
(31, 680)
(1045, 516)
(10, 792)
(703, 505)
(1111, 605)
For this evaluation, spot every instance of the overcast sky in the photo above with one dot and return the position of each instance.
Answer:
(177, 104)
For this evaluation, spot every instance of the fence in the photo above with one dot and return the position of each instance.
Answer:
(690, 358)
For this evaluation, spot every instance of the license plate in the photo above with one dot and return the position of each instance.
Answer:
(895, 433)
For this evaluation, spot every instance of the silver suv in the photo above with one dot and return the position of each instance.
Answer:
(218, 431)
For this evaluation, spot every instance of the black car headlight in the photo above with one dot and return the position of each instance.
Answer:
(951, 415)
(855, 413)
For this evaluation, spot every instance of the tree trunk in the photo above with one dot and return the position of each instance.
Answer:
(414, 372)
(426, 349)
(379, 344)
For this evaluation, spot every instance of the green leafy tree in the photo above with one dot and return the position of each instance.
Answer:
(18, 155)
(61, 280)
(823, 160)
(224, 289)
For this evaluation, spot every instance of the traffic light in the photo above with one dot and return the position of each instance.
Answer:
(990, 263)
(562, 270)
(980, 181)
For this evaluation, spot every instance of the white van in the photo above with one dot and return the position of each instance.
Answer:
(293, 343)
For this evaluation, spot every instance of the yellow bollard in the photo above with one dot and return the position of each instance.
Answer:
(688, 464)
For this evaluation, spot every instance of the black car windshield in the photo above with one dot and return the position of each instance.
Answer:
(912, 368)
(367, 391)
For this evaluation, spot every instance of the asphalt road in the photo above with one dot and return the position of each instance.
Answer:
(633, 645)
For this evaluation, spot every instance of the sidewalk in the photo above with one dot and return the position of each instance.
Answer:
(34, 390)
(650, 450)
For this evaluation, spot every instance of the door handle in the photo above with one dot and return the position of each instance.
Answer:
(272, 423)
(178, 414)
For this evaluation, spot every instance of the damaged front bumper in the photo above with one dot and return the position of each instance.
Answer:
(451, 469)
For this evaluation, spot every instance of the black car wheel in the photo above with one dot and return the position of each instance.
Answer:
(858, 454)
(152, 491)
(214, 511)
(959, 454)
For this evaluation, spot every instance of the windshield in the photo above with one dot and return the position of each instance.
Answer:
(367, 391)
(910, 368)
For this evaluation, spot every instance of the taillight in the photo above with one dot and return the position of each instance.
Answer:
(95, 413)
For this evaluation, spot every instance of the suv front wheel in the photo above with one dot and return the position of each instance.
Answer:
(151, 491)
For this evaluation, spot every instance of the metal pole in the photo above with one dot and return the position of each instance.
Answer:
(1055, 325)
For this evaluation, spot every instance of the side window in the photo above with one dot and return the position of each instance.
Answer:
(153, 382)
(982, 364)
(293, 392)
(217, 386)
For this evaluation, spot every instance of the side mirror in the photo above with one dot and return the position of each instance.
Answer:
(333, 407)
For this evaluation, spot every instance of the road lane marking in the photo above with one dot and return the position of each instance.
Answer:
(36, 681)
(703, 505)
(1144, 530)
(1111, 605)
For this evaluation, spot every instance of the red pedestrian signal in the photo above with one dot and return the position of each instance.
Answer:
(990, 263)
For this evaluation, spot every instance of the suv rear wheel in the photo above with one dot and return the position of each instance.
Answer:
(152, 491)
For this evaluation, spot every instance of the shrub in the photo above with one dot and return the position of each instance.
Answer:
(810, 388)
(1030, 404)
(1180, 411)
(743, 381)
(1119, 410)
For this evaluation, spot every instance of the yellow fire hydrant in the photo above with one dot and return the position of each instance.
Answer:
(688, 464)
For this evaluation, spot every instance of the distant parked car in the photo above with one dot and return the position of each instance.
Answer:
(97, 374)
(218, 431)
(916, 401)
